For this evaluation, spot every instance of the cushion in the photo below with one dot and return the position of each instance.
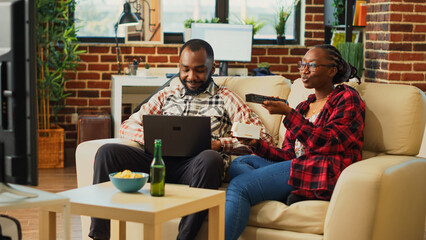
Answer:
(305, 216)
(394, 118)
(297, 95)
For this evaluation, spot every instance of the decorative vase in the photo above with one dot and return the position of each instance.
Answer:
(280, 40)
(133, 68)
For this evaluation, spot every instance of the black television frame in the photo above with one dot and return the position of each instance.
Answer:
(18, 116)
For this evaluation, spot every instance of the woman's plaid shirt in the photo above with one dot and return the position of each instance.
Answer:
(219, 103)
(332, 142)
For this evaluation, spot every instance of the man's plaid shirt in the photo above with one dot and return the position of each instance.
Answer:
(219, 103)
(332, 142)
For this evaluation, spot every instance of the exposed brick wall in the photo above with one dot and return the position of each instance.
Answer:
(396, 42)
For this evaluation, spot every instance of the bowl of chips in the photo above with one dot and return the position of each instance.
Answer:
(128, 181)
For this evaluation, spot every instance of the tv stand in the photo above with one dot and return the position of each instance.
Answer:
(4, 187)
(223, 68)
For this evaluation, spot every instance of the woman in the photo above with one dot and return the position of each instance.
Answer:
(324, 135)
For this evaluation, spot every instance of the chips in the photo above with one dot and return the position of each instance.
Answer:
(127, 174)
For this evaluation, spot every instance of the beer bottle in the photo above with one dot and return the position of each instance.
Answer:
(158, 171)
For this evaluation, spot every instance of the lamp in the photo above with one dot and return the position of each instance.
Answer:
(126, 18)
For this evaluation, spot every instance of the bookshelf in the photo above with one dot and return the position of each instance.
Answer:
(347, 27)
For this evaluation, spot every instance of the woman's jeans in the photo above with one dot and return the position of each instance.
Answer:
(254, 179)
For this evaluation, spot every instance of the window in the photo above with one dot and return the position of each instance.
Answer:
(175, 12)
(96, 18)
(263, 11)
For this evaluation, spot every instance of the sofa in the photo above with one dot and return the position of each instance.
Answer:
(382, 197)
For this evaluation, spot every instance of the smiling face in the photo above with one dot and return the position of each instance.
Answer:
(323, 75)
(195, 70)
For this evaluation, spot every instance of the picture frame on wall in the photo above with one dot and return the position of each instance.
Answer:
(339, 37)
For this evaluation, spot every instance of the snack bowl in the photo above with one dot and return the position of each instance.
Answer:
(129, 185)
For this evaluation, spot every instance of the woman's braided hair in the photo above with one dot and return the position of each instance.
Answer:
(345, 70)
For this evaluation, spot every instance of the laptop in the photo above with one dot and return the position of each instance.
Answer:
(181, 136)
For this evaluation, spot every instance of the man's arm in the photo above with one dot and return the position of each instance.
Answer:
(132, 128)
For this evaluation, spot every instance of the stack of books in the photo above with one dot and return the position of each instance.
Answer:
(360, 13)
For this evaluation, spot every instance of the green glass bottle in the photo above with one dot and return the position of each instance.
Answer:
(158, 171)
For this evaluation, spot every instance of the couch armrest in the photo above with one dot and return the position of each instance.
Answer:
(85, 157)
(379, 198)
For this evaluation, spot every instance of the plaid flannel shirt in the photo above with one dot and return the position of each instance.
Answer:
(219, 103)
(332, 142)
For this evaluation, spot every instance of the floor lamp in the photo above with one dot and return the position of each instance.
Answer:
(127, 18)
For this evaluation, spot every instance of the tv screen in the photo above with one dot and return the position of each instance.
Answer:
(18, 119)
(230, 42)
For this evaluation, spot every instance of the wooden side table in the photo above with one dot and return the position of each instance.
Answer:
(105, 201)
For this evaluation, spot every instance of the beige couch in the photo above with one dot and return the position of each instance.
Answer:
(382, 197)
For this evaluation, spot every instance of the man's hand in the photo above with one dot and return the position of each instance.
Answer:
(216, 145)
(276, 107)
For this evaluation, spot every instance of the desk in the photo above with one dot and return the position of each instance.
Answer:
(141, 88)
(49, 204)
(105, 201)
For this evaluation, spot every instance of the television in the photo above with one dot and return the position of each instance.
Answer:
(18, 119)
(230, 42)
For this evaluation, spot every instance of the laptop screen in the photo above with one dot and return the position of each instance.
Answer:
(181, 136)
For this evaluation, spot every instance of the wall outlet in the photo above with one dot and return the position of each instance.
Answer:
(74, 118)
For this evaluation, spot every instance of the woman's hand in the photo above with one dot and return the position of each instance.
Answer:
(276, 107)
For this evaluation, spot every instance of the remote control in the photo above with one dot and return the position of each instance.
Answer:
(260, 98)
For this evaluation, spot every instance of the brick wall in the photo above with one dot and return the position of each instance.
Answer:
(396, 42)
(392, 55)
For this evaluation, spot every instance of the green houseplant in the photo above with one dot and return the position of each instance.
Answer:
(57, 54)
(256, 23)
(284, 11)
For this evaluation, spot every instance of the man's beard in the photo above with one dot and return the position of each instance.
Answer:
(199, 90)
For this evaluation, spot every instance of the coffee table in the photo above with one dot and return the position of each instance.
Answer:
(105, 201)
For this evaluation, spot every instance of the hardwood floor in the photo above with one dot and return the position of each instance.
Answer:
(53, 180)
(50, 180)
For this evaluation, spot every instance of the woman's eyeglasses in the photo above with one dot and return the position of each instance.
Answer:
(312, 67)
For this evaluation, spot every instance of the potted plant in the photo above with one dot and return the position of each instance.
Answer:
(284, 11)
(144, 71)
(57, 54)
(256, 23)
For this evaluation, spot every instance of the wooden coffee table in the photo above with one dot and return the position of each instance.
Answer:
(105, 201)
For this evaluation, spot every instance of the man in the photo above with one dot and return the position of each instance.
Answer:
(197, 96)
